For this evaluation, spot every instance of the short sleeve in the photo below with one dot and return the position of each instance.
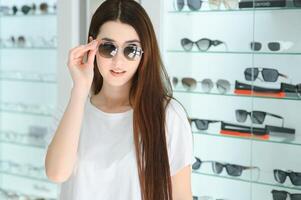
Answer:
(179, 137)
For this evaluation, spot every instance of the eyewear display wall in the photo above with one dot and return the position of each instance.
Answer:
(28, 89)
(236, 70)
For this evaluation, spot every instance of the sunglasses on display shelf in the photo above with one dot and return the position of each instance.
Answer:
(131, 52)
(195, 5)
(203, 44)
(268, 74)
(202, 124)
(257, 117)
(240, 130)
(284, 195)
(206, 198)
(217, 167)
(280, 176)
(223, 86)
(26, 9)
(272, 46)
(297, 3)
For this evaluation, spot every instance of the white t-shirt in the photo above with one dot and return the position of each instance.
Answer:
(106, 166)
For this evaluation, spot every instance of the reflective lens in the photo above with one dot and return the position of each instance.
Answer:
(201, 124)
(132, 52)
(107, 50)
(274, 46)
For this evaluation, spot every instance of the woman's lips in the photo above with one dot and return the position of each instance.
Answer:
(117, 73)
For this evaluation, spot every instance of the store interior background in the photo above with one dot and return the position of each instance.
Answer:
(24, 129)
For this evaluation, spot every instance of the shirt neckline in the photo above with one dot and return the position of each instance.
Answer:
(95, 109)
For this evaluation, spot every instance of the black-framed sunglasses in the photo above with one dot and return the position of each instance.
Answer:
(203, 44)
(282, 195)
(280, 176)
(202, 124)
(231, 169)
(256, 116)
(268, 74)
(109, 50)
(223, 86)
(217, 167)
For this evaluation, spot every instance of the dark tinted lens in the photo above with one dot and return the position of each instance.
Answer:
(186, 44)
(174, 81)
(279, 195)
(107, 50)
(194, 4)
(234, 170)
(197, 164)
(258, 117)
(279, 175)
(251, 74)
(297, 3)
(132, 52)
(217, 167)
(270, 75)
(255, 46)
(201, 124)
(274, 46)
(180, 4)
(241, 115)
(223, 86)
(295, 178)
(295, 196)
(203, 44)
(189, 83)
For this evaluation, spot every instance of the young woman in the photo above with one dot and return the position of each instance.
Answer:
(122, 135)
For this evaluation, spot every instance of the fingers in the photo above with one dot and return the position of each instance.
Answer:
(82, 49)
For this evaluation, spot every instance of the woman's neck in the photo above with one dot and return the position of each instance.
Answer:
(112, 98)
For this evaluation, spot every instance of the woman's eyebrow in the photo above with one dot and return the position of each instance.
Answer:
(111, 40)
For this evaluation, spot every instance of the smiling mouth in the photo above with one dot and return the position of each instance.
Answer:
(117, 72)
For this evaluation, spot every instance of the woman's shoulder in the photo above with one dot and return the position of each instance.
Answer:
(175, 110)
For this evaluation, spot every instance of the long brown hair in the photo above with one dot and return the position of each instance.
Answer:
(149, 94)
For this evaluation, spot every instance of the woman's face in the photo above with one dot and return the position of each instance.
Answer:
(118, 70)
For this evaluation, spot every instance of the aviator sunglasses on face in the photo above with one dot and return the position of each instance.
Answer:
(109, 50)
